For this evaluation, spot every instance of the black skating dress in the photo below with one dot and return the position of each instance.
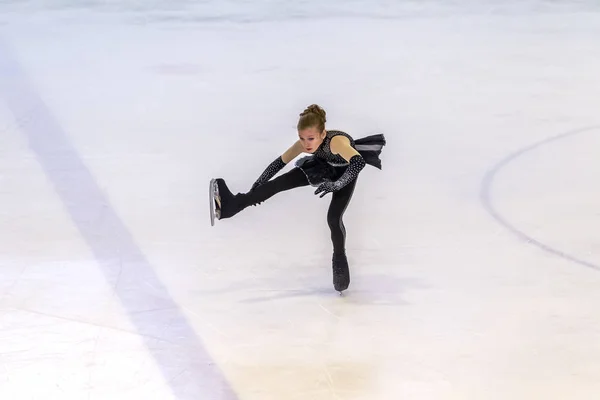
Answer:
(323, 165)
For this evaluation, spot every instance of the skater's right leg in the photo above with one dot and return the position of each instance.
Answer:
(337, 208)
(233, 204)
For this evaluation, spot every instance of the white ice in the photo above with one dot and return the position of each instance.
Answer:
(475, 255)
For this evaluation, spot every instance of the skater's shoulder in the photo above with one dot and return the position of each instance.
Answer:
(340, 140)
(340, 137)
(342, 145)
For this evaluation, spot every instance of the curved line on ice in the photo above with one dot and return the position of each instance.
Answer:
(486, 197)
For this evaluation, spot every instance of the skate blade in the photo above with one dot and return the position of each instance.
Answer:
(215, 201)
(211, 201)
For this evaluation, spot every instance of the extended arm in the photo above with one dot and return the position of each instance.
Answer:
(277, 165)
(341, 145)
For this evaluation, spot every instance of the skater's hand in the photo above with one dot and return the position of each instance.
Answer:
(327, 187)
(356, 164)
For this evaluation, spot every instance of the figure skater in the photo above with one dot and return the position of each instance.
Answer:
(334, 164)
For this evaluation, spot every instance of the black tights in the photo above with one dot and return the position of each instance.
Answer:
(231, 205)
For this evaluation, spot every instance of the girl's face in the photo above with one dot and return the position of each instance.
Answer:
(311, 139)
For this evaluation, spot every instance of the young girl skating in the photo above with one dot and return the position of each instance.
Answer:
(333, 167)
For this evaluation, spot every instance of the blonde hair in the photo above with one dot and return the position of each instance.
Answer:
(312, 116)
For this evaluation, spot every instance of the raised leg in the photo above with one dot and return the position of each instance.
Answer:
(232, 204)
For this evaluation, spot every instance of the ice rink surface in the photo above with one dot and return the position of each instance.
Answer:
(474, 253)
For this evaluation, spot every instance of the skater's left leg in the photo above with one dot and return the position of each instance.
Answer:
(337, 208)
(233, 204)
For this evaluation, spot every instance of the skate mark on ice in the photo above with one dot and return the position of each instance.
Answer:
(89, 323)
(330, 382)
(119, 258)
(328, 311)
(486, 196)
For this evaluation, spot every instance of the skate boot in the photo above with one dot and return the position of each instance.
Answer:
(225, 204)
(228, 204)
(341, 273)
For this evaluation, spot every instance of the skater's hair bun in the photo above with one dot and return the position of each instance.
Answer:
(312, 116)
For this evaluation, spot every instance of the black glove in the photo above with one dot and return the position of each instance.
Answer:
(357, 163)
(271, 170)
